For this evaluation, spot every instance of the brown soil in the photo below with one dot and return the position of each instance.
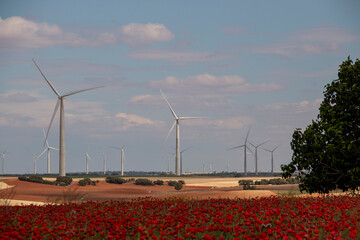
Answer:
(104, 191)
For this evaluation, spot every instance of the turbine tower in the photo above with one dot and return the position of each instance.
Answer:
(176, 122)
(245, 147)
(87, 157)
(104, 157)
(47, 148)
(3, 154)
(35, 157)
(272, 157)
(122, 158)
(181, 165)
(256, 159)
(60, 102)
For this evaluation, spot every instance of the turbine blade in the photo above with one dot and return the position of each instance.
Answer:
(263, 143)
(172, 127)
(42, 153)
(116, 148)
(79, 91)
(247, 135)
(251, 144)
(52, 87)
(47, 144)
(235, 147)
(266, 149)
(185, 118)
(54, 148)
(185, 149)
(276, 147)
(171, 109)
(249, 149)
(52, 119)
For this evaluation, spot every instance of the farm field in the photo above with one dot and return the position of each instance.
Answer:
(327, 217)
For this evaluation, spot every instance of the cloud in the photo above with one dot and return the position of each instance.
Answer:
(17, 97)
(209, 83)
(318, 39)
(178, 55)
(145, 99)
(136, 34)
(17, 32)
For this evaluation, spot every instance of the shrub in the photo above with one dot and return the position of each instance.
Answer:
(144, 182)
(82, 182)
(182, 182)
(115, 179)
(246, 182)
(249, 187)
(171, 183)
(178, 185)
(277, 181)
(262, 182)
(63, 181)
(159, 182)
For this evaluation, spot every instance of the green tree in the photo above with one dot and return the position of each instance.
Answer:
(326, 155)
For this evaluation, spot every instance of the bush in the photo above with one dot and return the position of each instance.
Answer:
(182, 182)
(178, 185)
(115, 179)
(171, 183)
(159, 182)
(262, 182)
(82, 182)
(144, 182)
(246, 182)
(249, 187)
(63, 181)
(277, 181)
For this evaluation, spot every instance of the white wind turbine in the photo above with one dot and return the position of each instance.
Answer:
(104, 158)
(35, 158)
(181, 162)
(48, 153)
(122, 158)
(60, 102)
(256, 159)
(3, 154)
(272, 157)
(245, 147)
(87, 157)
(176, 122)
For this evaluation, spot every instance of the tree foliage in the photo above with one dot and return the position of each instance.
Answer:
(326, 155)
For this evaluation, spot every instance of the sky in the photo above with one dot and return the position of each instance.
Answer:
(258, 65)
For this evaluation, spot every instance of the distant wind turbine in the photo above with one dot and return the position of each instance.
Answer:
(122, 158)
(245, 147)
(87, 162)
(35, 157)
(256, 158)
(104, 158)
(176, 122)
(60, 102)
(181, 162)
(272, 157)
(47, 148)
(3, 154)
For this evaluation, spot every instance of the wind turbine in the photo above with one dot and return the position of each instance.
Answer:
(48, 152)
(35, 157)
(87, 157)
(3, 154)
(245, 147)
(104, 158)
(176, 122)
(60, 102)
(272, 157)
(256, 159)
(122, 158)
(181, 168)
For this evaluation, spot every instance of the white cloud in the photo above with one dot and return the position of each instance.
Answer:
(132, 120)
(136, 34)
(318, 39)
(206, 83)
(145, 99)
(234, 30)
(17, 32)
(178, 56)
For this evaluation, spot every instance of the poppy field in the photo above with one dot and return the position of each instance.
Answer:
(328, 217)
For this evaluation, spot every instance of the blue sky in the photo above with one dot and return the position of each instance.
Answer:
(262, 64)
